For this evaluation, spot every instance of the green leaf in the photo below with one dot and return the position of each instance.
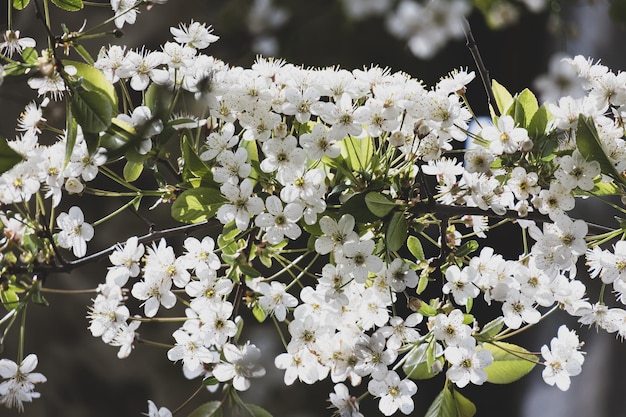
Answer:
(357, 152)
(538, 123)
(415, 247)
(379, 204)
(357, 207)
(253, 410)
(490, 329)
(8, 157)
(466, 248)
(525, 107)
(194, 167)
(259, 313)
(10, 299)
(71, 129)
(132, 170)
(464, 407)
(197, 205)
(605, 188)
(416, 365)
(93, 79)
(210, 409)
(92, 109)
(29, 55)
(69, 5)
(249, 271)
(396, 232)
(504, 99)
(118, 138)
(443, 405)
(20, 4)
(590, 147)
(508, 367)
(423, 282)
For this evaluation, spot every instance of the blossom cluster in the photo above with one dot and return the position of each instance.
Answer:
(364, 164)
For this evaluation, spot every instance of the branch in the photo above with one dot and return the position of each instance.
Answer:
(446, 211)
(94, 257)
(483, 71)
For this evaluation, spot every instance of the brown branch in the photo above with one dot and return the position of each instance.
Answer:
(482, 70)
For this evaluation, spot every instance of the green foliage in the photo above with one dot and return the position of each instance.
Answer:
(9, 298)
(20, 4)
(490, 329)
(419, 361)
(92, 110)
(357, 152)
(590, 146)
(396, 232)
(510, 362)
(132, 170)
(451, 404)
(69, 5)
(504, 99)
(8, 157)
(379, 204)
(210, 409)
(197, 205)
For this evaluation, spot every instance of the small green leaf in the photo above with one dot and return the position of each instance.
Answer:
(416, 364)
(249, 271)
(396, 232)
(504, 99)
(10, 299)
(423, 282)
(357, 207)
(8, 157)
(259, 313)
(92, 109)
(209, 381)
(590, 147)
(525, 107)
(357, 152)
(193, 166)
(20, 4)
(443, 405)
(415, 247)
(538, 123)
(93, 79)
(132, 170)
(69, 5)
(379, 204)
(29, 55)
(467, 248)
(490, 329)
(252, 410)
(197, 205)
(605, 188)
(508, 367)
(210, 409)
(464, 407)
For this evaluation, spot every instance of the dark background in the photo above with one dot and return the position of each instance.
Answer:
(85, 378)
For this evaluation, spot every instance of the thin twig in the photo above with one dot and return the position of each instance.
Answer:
(484, 72)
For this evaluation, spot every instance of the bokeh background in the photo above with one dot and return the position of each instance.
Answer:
(85, 378)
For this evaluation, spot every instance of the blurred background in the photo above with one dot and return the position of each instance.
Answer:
(518, 41)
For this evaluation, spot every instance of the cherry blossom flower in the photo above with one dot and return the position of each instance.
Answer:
(395, 394)
(20, 381)
(241, 364)
(75, 233)
(467, 363)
